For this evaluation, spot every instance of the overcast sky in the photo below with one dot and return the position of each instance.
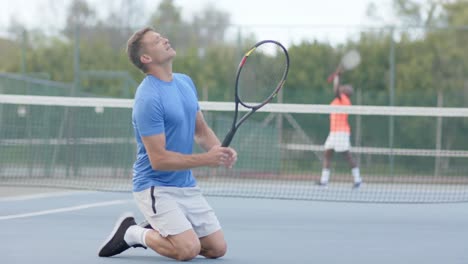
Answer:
(296, 18)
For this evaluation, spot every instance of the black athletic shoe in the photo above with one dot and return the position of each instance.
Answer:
(357, 185)
(322, 184)
(115, 243)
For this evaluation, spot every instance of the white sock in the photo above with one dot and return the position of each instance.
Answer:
(325, 176)
(136, 235)
(356, 174)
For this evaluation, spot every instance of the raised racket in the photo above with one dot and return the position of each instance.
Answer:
(350, 60)
(260, 76)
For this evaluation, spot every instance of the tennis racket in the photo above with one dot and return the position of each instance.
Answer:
(260, 76)
(350, 60)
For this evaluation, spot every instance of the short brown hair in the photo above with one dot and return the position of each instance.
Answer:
(134, 47)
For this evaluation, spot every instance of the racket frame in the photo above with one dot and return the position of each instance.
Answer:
(236, 124)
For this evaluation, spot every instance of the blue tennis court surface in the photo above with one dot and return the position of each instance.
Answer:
(69, 226)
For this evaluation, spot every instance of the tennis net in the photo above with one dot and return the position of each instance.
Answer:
(405, 154)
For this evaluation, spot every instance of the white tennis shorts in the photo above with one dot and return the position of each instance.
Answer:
(338, 141)
(173, 210)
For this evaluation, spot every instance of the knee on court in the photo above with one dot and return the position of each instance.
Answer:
(217, 252)
(188, 250)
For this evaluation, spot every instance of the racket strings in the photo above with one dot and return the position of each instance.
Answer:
(351, 60)
(261, 74)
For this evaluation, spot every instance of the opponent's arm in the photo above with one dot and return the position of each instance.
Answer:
(336, 85)
(334, 78)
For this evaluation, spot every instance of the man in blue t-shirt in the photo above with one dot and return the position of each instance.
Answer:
(166, 119)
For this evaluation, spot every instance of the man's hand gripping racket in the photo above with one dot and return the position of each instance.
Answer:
(260, 76)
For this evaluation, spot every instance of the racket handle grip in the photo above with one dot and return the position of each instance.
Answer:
(227, 140)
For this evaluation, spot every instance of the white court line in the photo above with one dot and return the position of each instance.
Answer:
(65, 209)
(39, 196)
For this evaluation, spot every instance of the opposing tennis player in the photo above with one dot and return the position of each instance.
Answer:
(167, 120)
(338, 139)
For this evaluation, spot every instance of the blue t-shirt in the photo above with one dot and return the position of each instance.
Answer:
(168, 108)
